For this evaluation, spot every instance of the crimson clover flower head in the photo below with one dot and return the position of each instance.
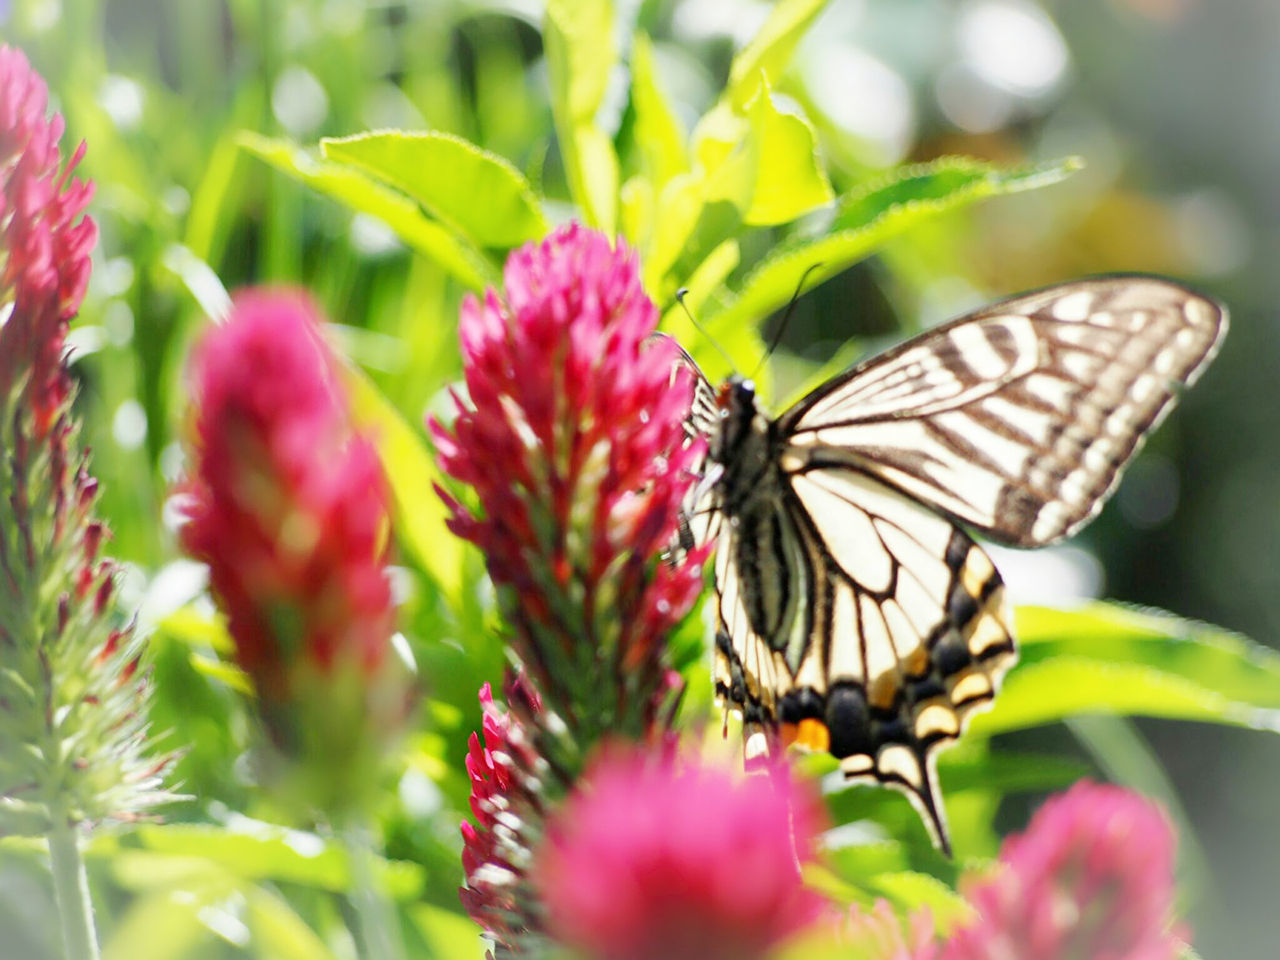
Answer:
(288, 506)
(664, 854)
(45, 240)
(70, 655)
(572, 439)
(1092, 876)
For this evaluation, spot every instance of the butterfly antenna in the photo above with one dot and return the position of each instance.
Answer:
(680, 295)
(786, 318)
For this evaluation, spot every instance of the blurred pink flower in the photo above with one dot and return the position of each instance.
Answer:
(1092, 877)
(878, 934)
(572, 437)
(288, 506)
(663, 855)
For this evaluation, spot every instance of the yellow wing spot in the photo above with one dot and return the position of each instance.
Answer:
(883, 690)
(937, 719)
(988, 632)
(978, 569)
(917, 662)
(897, 760)
(857, 765)
(970, 686)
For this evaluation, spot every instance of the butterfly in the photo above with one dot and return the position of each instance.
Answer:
(856, 613)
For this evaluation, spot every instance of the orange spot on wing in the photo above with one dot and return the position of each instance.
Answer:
(809, 733)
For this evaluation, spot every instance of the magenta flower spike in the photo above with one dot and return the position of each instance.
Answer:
(506, 775)
(75, 749)
(287, 504)
(663, 854)
(572, 440)
(73, 705)
(1092, 877)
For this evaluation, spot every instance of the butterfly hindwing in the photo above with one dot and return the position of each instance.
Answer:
(902, 633)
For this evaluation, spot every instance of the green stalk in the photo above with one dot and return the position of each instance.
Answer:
(378, 933)
(71, 889)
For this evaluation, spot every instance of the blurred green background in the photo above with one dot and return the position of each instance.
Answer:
(1174, 104)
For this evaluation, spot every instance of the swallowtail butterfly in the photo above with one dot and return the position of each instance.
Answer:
(856, 613)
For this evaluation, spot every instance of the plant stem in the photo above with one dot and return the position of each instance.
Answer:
(71, 888)
(378, 934)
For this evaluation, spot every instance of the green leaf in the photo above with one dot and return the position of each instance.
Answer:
(224, 672)
(580, 56)
(743, 342)
(177, 853)
(680, 202)
(770, 50)
(448, 175)
(165, 925)
(789, 179)
(198, 628)
(1065, 686)
(411, 471)
(911, 891)
(450, 935)
(1214, 659)
(882, 211)
(660, 138)
(580, 52)
(359, 192)
(277, 930)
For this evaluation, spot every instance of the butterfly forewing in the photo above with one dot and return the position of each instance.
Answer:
(1019, 418)
(855, 614)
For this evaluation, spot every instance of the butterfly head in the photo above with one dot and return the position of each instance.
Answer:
(737, 396)
(741, 422)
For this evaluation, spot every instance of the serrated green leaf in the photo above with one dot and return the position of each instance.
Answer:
(580, 53)
(446, 174)
(1215, 659)
(771, 48)
(884, 210)
(359, 192)
(945, 181)
(411, 472)
(660, 138)
(789, 179)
